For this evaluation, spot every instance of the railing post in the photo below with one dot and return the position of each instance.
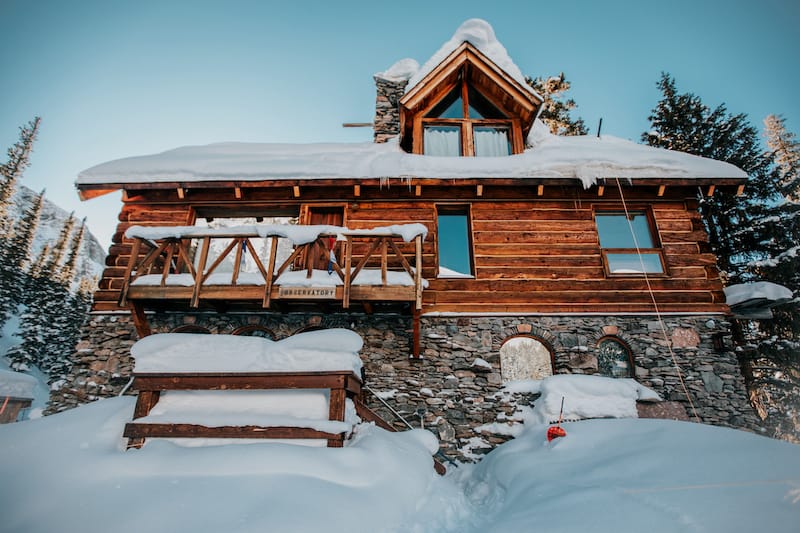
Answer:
(384, 260)
(201, 267)
(348, 259)
(134, 257)
(418, 271)
(273, 252)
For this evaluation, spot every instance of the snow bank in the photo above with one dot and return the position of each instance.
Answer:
(757, 293)
(323, 350)
(586, 158)
(402, 70)
(589, 397)
(16, 385)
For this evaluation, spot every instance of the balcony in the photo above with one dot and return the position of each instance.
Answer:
(263, 264)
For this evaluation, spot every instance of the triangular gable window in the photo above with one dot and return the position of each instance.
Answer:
(467, 106)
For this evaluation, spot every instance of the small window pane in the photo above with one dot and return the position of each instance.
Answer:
(633, 263)
(451, 106)
(615, 231)
(491, 142)
(481, 107)
(454, 247)
(443, 140)
(613, 359)
(525, 358)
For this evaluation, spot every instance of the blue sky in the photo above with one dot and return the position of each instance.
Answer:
(114, 78)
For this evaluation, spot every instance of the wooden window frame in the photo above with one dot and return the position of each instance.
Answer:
(466, 124)
(657, 249)
(456, 209)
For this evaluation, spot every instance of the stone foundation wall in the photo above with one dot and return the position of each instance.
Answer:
(445, 390)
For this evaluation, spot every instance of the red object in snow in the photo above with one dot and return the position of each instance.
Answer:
(554, 432)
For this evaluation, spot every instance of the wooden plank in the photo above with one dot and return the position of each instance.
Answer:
(238, 381)
(336, 405)
(136, 430)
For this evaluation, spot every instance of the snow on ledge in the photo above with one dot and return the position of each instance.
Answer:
(757, 293)
(297, 234)
(323, 350)
(16, 385)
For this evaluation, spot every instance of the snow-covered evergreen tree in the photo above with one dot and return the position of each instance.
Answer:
(557, 108)
(681, 121)
(11, 171)
(66, 273)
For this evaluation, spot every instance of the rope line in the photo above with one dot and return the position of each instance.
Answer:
(655, 303)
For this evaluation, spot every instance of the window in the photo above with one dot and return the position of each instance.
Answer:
(525, 358)
(614, 358)
(621, 235)
(454, 242)
(465, 122)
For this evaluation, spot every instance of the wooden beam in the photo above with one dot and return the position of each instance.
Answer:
(661, 189)
(237, 192)
(296, 191)
(479, 190)
(710, 191)
(418, 190)
(601, 189)
(181, 193)
(540, 190)
(356, 190)
(740, 190)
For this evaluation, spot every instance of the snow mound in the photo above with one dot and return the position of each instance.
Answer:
(589, 397)
(402, 70)
(323, 350)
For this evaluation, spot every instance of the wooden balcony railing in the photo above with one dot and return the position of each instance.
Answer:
(324, 263)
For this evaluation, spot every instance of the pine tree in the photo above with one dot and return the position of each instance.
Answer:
(53, 263)
(15, 259)
(682, 122)
(11, 171)
(786, 154)
(66, 273)
(556, 108)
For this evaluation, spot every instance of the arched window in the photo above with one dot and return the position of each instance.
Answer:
(254, 330)
(614, 358)
(525, 358)
(190, 328)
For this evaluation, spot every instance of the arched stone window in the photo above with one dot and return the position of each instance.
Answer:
(254, 330)
(614, 358)
(190, 328)
(525, 358)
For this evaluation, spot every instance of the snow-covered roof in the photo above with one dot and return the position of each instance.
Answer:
(478, 33)
(16, 385)
(759, 293)
(585, 158)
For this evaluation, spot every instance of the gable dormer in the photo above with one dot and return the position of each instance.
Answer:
(467, 106)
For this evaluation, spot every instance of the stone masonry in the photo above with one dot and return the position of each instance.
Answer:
(387, 108)
(444, 390)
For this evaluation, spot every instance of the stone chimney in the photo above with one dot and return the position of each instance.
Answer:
(387, 108)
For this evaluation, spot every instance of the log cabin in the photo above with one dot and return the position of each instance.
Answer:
(467, 245)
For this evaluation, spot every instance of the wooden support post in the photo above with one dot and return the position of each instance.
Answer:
(336, 412)
(296, 191)
(384, 260)
(710, 191)
(237, 192)
(145, 401)
(140, 320)
(661, 190)
(237, 262)
(540, 190)
(200, 274)
(740, 190)
(416, 349)
(181, 193)
(418, 271)
(132, 260)
(418, 190)
(273, 252)
(601, 189)
(356, 190)
(479, 190)
(348, 259)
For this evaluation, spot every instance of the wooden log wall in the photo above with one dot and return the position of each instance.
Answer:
(535, 250)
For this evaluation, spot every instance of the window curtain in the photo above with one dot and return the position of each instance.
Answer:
(491, 142)
(442, 141)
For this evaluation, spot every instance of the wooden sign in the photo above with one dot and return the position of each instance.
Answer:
(327, 293)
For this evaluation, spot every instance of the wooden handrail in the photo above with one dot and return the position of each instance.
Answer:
(177, 258)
